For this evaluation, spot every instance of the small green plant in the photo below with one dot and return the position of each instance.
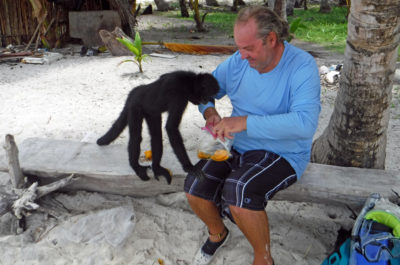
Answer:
(136, 48)
(296, 24)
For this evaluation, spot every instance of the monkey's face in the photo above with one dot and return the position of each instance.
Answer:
(206, 88)
(205, 100)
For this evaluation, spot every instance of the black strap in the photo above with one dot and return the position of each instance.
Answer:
(379, 228)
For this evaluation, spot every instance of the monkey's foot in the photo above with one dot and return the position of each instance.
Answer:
(102, 141)
(197, 172)
(188, 167)
(142, 172)
(161, 171)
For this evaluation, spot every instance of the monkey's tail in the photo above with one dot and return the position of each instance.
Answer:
(116, 129)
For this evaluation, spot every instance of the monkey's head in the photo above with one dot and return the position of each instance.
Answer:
(205, 89)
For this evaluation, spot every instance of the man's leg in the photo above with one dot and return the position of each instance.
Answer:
(255, 227)
(247, 189)
(209, 214)
(204, 196)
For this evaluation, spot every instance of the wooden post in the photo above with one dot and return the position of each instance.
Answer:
(33, 36)
(14, 169)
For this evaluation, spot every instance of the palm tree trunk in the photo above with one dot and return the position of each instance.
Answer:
(199, 22)
(184, 11)
(357, 131)
(324, 6)
(126, 12)
(290, 7)
(279, 6)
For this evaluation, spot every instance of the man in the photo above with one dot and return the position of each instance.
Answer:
(274, 88)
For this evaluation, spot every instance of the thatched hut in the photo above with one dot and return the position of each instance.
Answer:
(20, 19)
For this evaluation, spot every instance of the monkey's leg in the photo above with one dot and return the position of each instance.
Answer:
(154, 123)
(115, 130)
(175, 138)
(177, 144)
(135, 120)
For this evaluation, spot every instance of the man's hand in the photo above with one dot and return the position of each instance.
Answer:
(212, 117)
(230, 125)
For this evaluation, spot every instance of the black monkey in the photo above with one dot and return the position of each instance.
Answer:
(171, 92)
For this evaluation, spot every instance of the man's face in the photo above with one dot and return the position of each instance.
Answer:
(256, 51)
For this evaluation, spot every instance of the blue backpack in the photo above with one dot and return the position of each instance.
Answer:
(375, 239)
(340, 256)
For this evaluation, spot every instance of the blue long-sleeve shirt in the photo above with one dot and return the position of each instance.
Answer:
(282, 106)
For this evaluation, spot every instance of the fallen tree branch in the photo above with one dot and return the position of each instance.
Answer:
(46, 189)
(21, 201)
(15, 54)
(14, 170)
(25, 202)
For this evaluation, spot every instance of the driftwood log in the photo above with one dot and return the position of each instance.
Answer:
(162, 5)
(14, 169)
(106, 169)
(16, 54)
(22, 200)
(115, 47)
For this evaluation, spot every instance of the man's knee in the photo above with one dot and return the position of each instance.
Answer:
(190, 197)
(238, 212)
(193, 199)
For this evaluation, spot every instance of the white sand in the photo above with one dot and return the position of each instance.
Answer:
(78, 98)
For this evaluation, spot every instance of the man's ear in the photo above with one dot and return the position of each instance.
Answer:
(272, 38)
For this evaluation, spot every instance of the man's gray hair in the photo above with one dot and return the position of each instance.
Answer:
(266, 20)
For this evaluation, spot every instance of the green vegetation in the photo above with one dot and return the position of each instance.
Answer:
(294, 25)
(328, 30)
(221, 20)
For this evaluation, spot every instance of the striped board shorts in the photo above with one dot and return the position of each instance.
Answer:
(245, 180)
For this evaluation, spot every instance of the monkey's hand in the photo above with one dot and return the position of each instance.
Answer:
(102, 141)
(197, 172)
(161, 171)
(142, 172)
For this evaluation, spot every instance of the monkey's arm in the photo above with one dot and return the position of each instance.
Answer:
(154, 123)
(175, 138)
